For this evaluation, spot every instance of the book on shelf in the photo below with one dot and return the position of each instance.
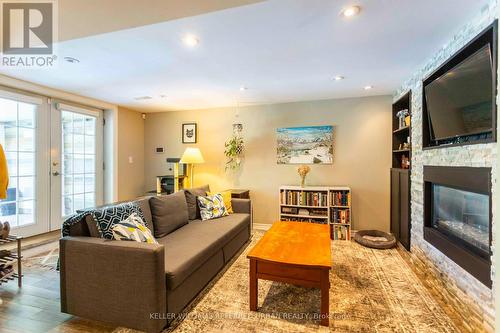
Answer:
(340, 232)
(341, 198)
(302, 219)
(304, 198)
(341, 215)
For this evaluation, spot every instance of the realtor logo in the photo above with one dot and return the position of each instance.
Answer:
(29, 33)
(27, 28)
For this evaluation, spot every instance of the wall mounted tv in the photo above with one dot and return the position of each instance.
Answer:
(459, 105)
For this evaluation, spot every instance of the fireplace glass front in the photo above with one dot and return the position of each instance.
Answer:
(463, 216)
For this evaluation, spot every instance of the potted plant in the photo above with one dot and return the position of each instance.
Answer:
(234, 149)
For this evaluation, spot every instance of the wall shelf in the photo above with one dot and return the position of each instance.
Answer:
(400, 173)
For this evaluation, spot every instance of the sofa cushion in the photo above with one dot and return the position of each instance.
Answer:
(226, 195)
(133, 229)
(212, 207)
(107, 217)
(189, 247)
(191, 195)
(143, 203)
(92, 226)
(169, 213)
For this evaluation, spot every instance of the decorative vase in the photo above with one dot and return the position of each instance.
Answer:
(303, 170)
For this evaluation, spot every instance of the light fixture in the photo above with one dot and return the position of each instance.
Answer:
(338, 78)
(368, 87)
(243, 88)
(190, 40)
(71, 60)
(191, 157)
(350, 11)
(142, 98)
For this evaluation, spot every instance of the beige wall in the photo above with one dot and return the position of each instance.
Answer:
(362, 156)
(130, 145)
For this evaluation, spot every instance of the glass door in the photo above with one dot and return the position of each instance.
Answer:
(76, 161)
(54, 157)
(23, 123)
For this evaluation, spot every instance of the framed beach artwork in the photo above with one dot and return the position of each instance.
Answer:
(305, 145)
(189, 133)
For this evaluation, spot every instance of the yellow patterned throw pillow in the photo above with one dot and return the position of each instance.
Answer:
(226, 196)
(133, 229)
(212, 207)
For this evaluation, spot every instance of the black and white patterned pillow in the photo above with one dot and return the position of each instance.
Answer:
(107, 217)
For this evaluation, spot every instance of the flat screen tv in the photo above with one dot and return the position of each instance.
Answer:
(460, 102)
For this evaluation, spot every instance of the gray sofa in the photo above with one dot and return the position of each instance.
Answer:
(144, 286)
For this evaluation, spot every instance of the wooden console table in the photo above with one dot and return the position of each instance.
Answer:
(296, 253)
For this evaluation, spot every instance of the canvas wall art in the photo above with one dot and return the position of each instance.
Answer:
(305, 145)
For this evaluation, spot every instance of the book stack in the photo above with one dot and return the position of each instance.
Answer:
(340, 232)
(341, 198)
(304, 198)
(341, 216)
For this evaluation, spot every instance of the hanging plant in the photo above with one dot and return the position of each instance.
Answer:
(234, 149)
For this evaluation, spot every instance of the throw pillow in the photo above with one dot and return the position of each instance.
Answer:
(226, 195)
(192, 203)
(133, 229)
(107, 217)
(212, 207)
(169, 212)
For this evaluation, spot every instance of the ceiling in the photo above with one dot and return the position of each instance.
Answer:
(282, 50)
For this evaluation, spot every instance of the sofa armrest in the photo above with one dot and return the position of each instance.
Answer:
(241, 205)
(118, 282)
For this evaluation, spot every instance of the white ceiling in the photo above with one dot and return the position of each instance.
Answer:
(282, 50)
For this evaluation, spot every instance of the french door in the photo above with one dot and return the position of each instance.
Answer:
(76, 161)
(53, 152)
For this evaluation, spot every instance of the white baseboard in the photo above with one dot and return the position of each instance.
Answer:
(262, 226)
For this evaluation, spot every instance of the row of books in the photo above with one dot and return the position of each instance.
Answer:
(304, 211)
(340, 232)
(341, 198)
(295, 219)
(303, 198)
(340, 215)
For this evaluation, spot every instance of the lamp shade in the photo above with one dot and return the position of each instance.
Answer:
(192, 156)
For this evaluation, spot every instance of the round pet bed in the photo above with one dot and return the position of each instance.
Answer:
(375, 239)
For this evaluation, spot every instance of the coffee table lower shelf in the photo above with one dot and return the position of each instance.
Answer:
(304, 276)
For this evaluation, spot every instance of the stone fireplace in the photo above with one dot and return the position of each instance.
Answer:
(457, 216)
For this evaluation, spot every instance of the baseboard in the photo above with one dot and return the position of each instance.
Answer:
(262, 226)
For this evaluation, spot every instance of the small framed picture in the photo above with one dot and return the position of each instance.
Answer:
(189, 133)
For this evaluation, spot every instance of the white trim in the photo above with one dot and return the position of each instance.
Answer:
(262, 226)
(20, 97)
(82, 110)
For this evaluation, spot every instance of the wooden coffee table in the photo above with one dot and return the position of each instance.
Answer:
(293, 252)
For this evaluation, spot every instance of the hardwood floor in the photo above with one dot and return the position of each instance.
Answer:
(35, 307)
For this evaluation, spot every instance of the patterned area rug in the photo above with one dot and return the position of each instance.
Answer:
(371, 291)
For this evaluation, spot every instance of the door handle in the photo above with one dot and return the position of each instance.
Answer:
(55, 173)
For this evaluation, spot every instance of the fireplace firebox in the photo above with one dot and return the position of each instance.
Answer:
(457, 216)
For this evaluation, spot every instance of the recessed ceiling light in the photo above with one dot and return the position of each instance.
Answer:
(368, 87)
(190, 40)
(142, 98)
(71, 60)
(243, 88)
(350, 11)
(339, 78)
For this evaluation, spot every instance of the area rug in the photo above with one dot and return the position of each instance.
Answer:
(371, 291)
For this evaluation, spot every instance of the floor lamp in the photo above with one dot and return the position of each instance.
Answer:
(191, 157)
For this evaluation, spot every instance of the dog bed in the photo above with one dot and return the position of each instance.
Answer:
(375, 239)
